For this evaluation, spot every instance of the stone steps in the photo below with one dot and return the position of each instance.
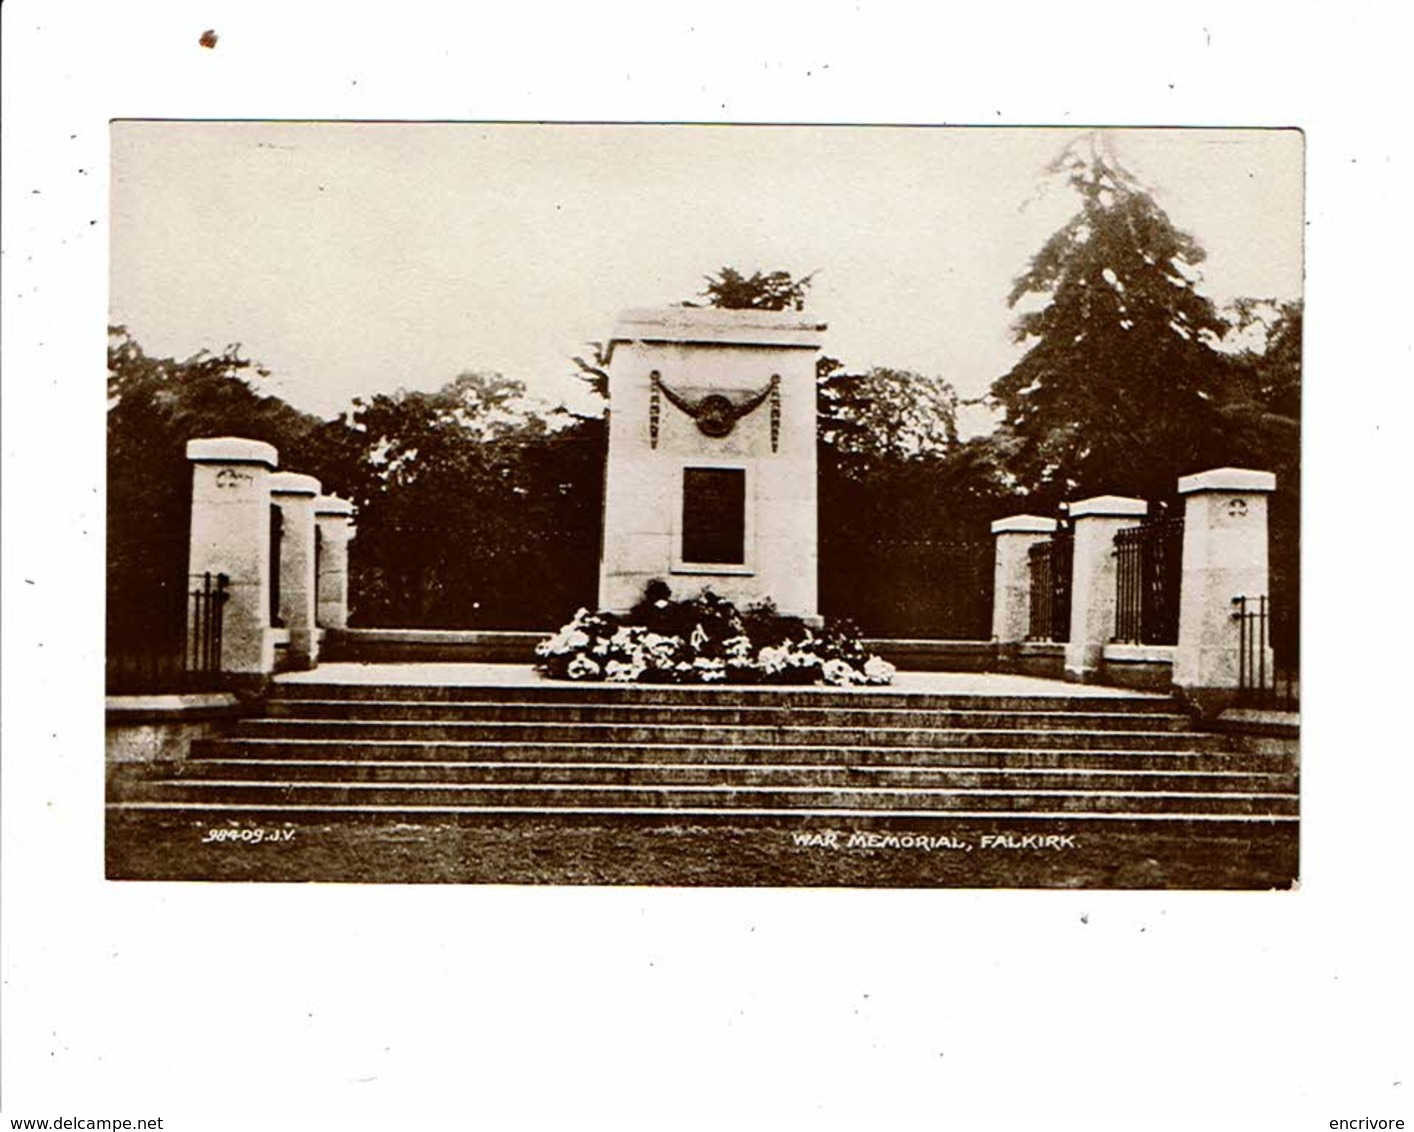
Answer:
(660, 696)
(580, 796)
(833, 715)
(408, 752)
(712, 735)
(841, 775)
(277, 747)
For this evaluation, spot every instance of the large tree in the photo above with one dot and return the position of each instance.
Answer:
(1261, 392)
(475, 507)
(1116, 389)
(884, 415)
(904, 503)
(1261, 409)
(904, 506)
(155, 405)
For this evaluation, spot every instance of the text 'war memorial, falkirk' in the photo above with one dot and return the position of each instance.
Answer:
(700, 721)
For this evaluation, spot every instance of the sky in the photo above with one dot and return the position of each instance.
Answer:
(357, 258)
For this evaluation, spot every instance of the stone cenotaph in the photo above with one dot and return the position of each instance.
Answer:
(711, 478)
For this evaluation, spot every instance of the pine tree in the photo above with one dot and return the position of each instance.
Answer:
(1115, 392)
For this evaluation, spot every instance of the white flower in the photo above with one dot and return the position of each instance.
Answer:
(627, 637)
(738, 650)
(802, 658)
(623, 671)
(698, 638)
(582, 668)
(709, 669)
(772, 659)
(567, 640)
(877, 670)
(657, 650)
(838, 672)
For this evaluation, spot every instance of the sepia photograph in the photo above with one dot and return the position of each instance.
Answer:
(703, 567)
(704, 505)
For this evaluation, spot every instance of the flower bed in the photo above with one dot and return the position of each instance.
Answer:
(706, 640)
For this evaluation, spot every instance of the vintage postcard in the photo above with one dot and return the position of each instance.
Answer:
(704, 505)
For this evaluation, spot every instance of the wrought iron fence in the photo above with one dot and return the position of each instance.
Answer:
(1050, 563)
(918, 588)
(1264, 678)
(207, 622)
(1149, 566)
(158, 652)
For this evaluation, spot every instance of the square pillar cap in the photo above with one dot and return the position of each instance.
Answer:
(1024, 524)
(294, 483)
(1114, 506)
(232, 450)
(333, 505)
(711, 326)
(1228, 479)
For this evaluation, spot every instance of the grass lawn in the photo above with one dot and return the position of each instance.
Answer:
(719, 852)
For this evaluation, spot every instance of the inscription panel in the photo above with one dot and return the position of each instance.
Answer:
(714, 516)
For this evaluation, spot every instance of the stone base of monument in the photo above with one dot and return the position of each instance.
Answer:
(791, 785)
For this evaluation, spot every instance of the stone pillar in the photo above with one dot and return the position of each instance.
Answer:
(333, 518)
(1224, 556)
(1011, 591)
(294, 495)
(230, 534)
(1092, 581)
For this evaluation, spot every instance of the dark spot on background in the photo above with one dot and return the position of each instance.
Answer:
(208, 38)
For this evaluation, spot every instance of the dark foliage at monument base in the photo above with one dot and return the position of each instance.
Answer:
(706, 640)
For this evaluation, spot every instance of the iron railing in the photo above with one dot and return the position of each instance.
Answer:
(207, 622)
(1263, 679)
(1051, 563)
(919, 588)
(156, 653)
(1148, 570)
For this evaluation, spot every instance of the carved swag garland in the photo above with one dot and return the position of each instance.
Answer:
(716, 414)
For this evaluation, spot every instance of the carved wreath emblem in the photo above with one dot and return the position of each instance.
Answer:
(233, 477)
(715, 414)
